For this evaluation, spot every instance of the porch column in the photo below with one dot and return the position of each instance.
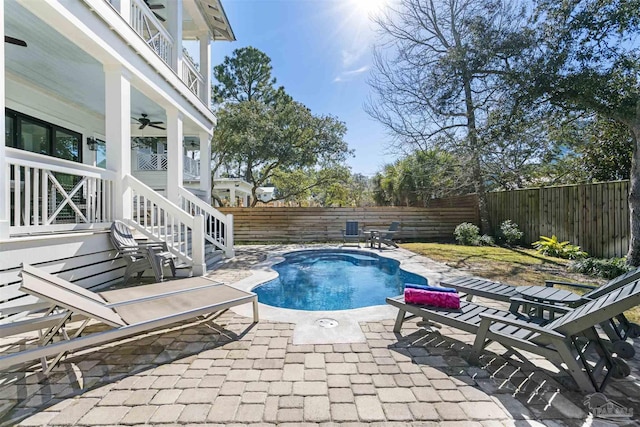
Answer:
(232, 196)
(174, 26)
(205, 67)
(205, 165)
(175, 154)
(4, 182)
(118, 134)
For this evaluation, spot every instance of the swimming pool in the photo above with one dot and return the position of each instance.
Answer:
(334, 280)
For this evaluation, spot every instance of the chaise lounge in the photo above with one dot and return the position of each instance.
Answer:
(560, 341)
(618, 329)
(128, 311)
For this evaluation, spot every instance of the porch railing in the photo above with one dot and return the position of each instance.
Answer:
(151, 30)
(51, 194)
(191, 76)
(153, 161)
(160, 220)
(218, 226)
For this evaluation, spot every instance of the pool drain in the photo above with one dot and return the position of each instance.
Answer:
(327, 323)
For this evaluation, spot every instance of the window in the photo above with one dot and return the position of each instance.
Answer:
(30, 134)
(101, 154)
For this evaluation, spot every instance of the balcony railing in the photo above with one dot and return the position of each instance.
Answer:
(151, 30)
(158, 162)
(191, 76)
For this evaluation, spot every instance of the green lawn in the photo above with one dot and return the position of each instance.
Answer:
(517, 266)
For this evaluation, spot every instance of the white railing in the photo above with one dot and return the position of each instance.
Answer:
(191, 76)
(153, 162)
(51, 194)
(151, 30)
(218, 226)
(191, 167)
(160, 220)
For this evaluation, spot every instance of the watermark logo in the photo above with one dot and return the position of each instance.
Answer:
(603, 407)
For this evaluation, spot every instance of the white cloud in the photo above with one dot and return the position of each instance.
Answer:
(350, 74)
(352, 56)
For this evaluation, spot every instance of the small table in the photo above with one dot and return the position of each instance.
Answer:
(378, 233)
(547, 294)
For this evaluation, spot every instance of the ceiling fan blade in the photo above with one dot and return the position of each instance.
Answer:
(15, 41)
(156, 6)
(142, 126)
(157, 127)
(159, 17)
(156, 123)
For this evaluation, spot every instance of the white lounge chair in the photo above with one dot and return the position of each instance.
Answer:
(127, 311)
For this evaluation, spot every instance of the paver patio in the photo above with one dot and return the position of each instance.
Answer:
(223, 371)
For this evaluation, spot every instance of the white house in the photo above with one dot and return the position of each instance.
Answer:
(79, 81)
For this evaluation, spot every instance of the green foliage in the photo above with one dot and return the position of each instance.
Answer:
(606, 268)
(550, 246)
(486, 240)
(467, 234)
(509, 232)
(420, 177)
(245, 76)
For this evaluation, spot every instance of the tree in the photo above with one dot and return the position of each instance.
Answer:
(245, 76)
(265, 140)
(437, 75)
(265, 135)
(587, 59)
(420, 177)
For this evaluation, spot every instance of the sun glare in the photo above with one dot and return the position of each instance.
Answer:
(368, 8)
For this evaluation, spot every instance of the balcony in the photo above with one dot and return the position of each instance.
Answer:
(150, 28)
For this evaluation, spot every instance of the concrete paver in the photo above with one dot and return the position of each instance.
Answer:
(218, 372)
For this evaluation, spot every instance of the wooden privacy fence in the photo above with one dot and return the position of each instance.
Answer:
(593, 216)
(324, 224)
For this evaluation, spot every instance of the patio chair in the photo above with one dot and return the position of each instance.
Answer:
(561, 341)
(140, 256)
(618, 329)
(351, 232)
(127, 311)
(386, 236)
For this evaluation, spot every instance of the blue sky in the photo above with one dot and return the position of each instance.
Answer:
(321, 53)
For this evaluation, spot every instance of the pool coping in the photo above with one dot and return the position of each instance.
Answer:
(308, 330)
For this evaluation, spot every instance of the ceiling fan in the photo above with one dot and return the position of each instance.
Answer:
(13, 40)
(155, 7)
(144, 122)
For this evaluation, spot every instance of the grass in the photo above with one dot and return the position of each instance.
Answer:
(515, 266)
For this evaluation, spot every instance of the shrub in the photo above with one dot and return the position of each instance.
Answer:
(509, 232)
(550, 246)
(467, 234)
(486, 240)
(606, 268)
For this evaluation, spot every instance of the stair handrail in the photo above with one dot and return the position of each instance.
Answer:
(183, 233)
(218, 226)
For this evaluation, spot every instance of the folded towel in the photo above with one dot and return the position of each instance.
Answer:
(429, 288)
(432, 298)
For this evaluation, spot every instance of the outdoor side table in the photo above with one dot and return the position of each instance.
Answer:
(549, 295)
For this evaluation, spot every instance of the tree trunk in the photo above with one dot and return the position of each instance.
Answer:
(633, 256)
(474, 146)
(254, 197)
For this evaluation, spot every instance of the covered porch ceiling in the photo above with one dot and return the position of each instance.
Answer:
(53, 64)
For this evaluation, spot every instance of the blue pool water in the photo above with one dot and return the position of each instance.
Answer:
(334, 280)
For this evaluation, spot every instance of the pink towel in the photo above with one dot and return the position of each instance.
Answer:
(432, 298)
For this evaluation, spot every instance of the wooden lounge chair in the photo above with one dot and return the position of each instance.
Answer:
(351, 232)
(561, 341)
(128, 311)
(140, 256)
(618, 329)
(386, 236)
